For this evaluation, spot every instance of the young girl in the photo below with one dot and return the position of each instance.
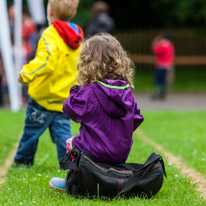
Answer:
(103, 103)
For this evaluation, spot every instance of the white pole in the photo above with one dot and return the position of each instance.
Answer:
(18, 43)
(37, 10)
(6, 50)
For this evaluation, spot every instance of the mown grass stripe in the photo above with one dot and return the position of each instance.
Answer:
(7, 165)
(195, 177)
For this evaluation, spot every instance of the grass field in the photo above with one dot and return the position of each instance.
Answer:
(10, 129)
(190, 78)
(181, 133)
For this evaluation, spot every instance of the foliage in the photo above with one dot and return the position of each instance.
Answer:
(83, 13)
(135, 13)
(171, 12)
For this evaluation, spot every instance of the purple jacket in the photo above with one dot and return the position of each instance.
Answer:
(108, 114)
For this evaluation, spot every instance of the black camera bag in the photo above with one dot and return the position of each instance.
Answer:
(88, 177)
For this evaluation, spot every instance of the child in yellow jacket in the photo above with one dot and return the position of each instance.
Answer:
(50, 76)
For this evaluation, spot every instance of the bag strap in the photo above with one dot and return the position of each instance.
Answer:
(154, 157)
(67, 162)
(69, 165)
(129, 184)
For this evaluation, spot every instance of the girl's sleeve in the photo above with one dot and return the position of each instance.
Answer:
(45, 59)
(78, 105)
(138, 118)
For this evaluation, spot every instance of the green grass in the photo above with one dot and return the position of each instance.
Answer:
(182, 133)
(10, 130)
(186, 79)
(31, 186)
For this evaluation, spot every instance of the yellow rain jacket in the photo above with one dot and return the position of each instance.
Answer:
(53, 70)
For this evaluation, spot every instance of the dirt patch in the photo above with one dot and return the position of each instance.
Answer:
(195, 177)
(7, 165)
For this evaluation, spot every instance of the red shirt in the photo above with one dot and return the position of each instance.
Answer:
(164, 52)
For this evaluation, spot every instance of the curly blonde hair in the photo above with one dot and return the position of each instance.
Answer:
(102, 57)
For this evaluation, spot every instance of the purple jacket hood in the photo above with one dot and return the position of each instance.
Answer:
(113, 96)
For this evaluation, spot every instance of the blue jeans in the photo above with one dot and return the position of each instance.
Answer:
(38, 119)
(161, 78)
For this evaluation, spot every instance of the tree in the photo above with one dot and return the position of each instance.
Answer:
(83, 13)
(172, 12)
(138, 13)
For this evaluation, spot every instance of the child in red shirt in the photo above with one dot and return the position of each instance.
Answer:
(164, 52)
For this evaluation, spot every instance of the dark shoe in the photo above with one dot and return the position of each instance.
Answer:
(22, 164)
(162, 95)
(159, 94)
